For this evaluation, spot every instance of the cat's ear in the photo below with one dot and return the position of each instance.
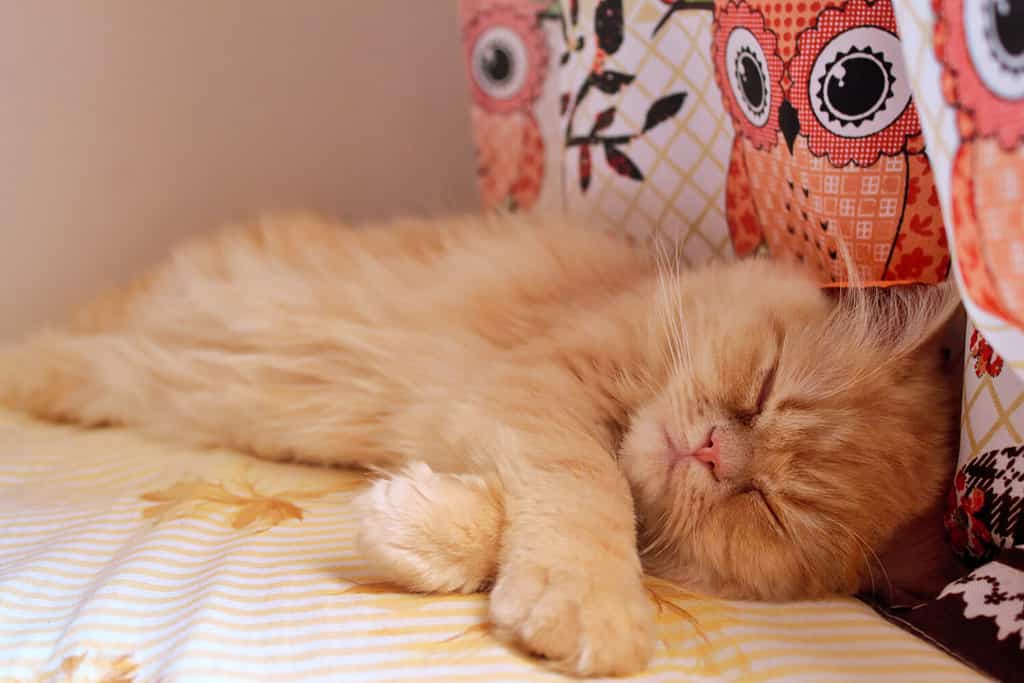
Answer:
(935, 315)
(902, 318)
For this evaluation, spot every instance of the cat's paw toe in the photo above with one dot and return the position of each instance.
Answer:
(585, 626)
(430, 532)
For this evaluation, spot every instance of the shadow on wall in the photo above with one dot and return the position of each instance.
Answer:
(127, 125)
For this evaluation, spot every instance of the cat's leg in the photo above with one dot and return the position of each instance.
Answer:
(432, 532)
(559, 541)
(570, 584)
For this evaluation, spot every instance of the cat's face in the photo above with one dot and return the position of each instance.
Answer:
(793, 434)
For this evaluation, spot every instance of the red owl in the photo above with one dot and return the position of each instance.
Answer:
(506, 52)
(828, 145)
(980, 44)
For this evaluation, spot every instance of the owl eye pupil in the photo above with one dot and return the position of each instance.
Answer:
(856, 87)
(750, 87)
(1008, 17)
(496, 63)
(750, 80)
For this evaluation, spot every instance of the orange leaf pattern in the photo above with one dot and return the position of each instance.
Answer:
(248, 508)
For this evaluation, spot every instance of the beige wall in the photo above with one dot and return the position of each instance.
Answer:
(125, 125)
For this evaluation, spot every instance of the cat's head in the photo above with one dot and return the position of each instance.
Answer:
(795, 433)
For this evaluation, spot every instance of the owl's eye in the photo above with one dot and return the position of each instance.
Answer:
(748, 75)
(858, 84)
(500, 62)
(995, 39)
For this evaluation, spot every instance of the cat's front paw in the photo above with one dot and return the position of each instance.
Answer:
(585, 621)
(431, 532)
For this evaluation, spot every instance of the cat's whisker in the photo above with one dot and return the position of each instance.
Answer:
(676, 319)
(669, 314)
(865, 546)
(663, 540)
(658, 543)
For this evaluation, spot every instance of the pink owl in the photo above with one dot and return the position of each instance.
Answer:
(828, 145)
(506, 52)
(980, 44)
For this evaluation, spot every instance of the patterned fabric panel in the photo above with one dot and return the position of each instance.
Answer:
(621, 98)
(647, 140)
(125, 561)
(511, 48)
(985, 504)
(979, 618)
(968, 80)
(828, 146)
(793, 120)
(965, 58)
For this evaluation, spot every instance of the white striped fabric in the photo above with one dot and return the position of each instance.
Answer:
(123, 560)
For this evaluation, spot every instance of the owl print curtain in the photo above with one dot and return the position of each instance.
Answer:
(609, 109)
(966, 60)
(741, 127)
(828, 141)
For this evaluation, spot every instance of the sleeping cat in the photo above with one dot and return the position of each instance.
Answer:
(558, 412)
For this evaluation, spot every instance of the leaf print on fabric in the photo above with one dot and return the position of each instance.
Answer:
(621, 163)
(82, 668)
(609, 35)
(584, 167)
(663, 109)
(603, 120)
(677, 5)
(87, 667)
(198, 498)
(610, 82)
(608, 25)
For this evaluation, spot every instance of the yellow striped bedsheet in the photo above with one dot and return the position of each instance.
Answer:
(123, 560)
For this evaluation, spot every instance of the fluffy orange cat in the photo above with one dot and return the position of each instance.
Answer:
(558, 413)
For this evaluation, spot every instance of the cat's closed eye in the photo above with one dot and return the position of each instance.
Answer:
(766, 388)
(749, 415)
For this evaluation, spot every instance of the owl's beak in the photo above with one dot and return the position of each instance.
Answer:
(789, 123)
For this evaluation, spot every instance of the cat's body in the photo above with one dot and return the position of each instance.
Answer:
(513, 372)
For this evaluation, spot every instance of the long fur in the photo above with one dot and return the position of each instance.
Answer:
(532, 384)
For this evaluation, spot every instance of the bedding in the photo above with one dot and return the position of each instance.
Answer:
(126, 560)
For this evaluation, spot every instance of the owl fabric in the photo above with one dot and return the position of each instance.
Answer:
(646, 138)
(761, 126)
(894, 129)
(632, 122)
(828, 145)
(509, 47)
(966, 62)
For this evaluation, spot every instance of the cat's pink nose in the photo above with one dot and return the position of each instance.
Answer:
(708, 454)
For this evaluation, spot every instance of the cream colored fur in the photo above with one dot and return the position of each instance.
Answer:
(523, 379)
